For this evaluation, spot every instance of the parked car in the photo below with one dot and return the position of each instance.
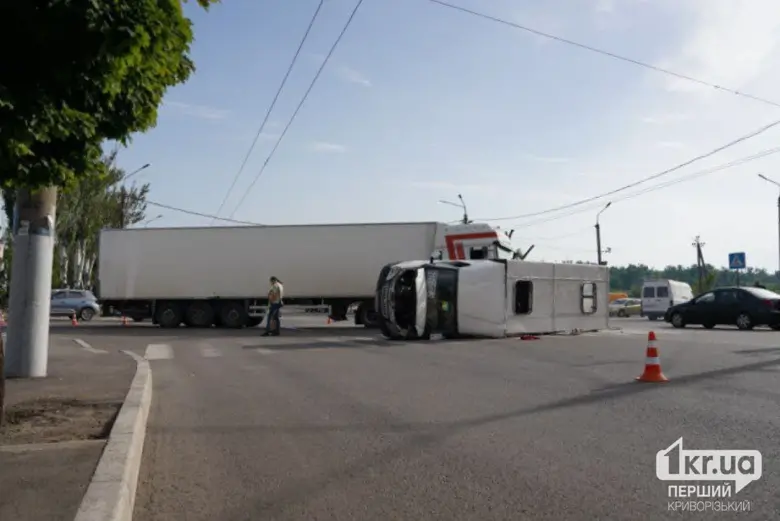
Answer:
(65, 302)
(745, 307)
(625, 307)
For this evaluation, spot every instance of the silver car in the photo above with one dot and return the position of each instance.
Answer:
(65, 302)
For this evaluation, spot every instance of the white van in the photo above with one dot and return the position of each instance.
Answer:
(660, 295)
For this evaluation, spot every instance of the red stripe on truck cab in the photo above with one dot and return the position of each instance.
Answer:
(455, 248)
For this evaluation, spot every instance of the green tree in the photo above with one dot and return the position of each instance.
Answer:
(88, 71)
(83, 209)
(630, 278)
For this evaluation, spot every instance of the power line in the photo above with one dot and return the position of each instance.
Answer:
(737, 162)
(653, 188)
(271, 107)
(641, 181)
(558, 237)
(298, 108)
(199, 214)
(606, 53)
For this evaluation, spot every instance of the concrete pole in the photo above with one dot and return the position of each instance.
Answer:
(598, 243)
(27, 343)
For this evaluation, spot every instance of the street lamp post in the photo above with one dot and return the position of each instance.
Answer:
(123, 196)
(598, 233)
(461, 205)
(146, 223)
(765, 178)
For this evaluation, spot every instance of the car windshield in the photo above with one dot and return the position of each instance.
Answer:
(762, 293)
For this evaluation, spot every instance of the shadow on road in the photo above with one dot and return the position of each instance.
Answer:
(430, 435)
(322, 344)
(148, 330)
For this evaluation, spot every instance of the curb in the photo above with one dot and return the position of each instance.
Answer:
(111, 493)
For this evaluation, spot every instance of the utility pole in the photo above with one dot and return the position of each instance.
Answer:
(27, 344)
(699, 261)
(765, 178)
(598, 234)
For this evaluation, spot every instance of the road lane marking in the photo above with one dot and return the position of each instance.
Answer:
(263, 351)
(158, 352)
(86, 347)
(207, 351)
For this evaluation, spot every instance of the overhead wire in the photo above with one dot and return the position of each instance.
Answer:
(639, 182)
(605, 53)
(200, 214)
(300, 105)
(694, 175)
(271, 106)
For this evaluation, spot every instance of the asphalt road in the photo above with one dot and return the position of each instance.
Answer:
(333, 423)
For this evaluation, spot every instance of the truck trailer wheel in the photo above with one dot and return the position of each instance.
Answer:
(233, 315)
(169, 314)
(366, 316)
(199, 314)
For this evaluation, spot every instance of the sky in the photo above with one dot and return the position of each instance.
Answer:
(420, 103)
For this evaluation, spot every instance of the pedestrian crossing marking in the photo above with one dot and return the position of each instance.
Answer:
(208, 351)
(158, 352)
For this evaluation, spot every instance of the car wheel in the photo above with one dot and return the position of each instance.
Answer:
(709, 325)
(677, 320)
(86, 314)
(744, 322)
(622, 313)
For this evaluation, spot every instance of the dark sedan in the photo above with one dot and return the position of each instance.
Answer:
(745, 307)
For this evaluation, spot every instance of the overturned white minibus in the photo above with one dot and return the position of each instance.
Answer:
(490, 298)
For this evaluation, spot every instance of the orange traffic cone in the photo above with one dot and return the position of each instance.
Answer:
(124, 320)
(73, 321)
(652, 372)
(329, 321)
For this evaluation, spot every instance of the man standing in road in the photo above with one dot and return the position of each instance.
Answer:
(273, 326)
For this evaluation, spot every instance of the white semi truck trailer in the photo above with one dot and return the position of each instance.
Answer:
(219, 275)
(490, 298)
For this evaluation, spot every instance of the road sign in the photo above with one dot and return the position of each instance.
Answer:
(737, 261)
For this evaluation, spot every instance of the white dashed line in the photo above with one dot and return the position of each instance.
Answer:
(158, 352)
(86, 347)
(263, 351)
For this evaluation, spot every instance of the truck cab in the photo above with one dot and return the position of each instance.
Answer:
(475, 241)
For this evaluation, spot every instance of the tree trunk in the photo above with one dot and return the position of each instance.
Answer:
(63, 264)
(28, 320)
(2, 381)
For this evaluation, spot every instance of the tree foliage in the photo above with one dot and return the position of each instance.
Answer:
(83, 209)
(89, 71)
(629, 278)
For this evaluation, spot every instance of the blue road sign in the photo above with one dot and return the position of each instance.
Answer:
(737, 261)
